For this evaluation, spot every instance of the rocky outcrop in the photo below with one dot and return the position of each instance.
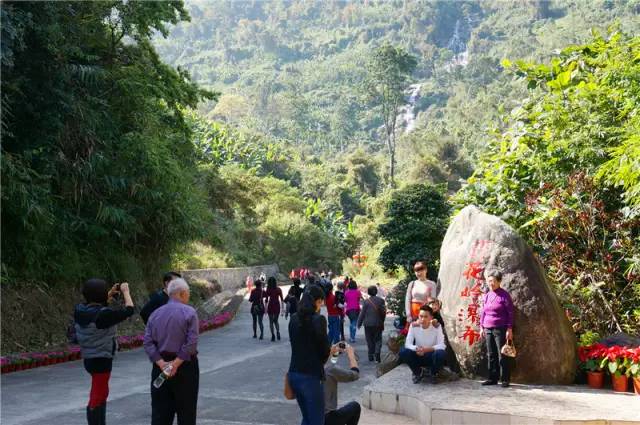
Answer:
(545, 342)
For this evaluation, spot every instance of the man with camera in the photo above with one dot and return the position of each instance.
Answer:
(349, 414)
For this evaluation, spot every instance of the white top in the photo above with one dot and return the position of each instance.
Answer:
(420, 337)
(419, 291)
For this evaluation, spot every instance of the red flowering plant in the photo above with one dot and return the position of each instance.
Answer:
(591, 357)
(634, 362)
(618, 360)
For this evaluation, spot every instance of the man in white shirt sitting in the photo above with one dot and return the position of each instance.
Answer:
(424, 346)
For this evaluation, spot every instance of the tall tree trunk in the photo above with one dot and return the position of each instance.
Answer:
(392, 168)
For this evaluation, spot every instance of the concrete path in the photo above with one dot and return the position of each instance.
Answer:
(240, 383)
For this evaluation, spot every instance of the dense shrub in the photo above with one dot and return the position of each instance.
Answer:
(563, 174)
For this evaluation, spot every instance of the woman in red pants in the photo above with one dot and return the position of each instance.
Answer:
(95, 325)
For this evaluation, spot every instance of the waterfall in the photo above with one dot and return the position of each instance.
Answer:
(458, 45)
(407, 114)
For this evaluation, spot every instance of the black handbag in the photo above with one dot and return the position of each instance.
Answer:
(258, 308)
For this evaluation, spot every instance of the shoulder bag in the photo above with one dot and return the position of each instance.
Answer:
(258, 307)
(288, 391)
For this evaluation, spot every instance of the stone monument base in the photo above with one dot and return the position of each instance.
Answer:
(467, 402)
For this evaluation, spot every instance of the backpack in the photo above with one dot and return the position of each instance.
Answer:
(339, 299)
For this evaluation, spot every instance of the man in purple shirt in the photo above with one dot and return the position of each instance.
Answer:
(171, 339)
(496, 325)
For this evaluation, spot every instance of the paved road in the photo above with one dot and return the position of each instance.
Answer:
(240, 383)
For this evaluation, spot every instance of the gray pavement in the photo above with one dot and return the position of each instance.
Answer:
(241, 382)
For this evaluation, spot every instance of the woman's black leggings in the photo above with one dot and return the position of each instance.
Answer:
(273, 321)
(257, 318)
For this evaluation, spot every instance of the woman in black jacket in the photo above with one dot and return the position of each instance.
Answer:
(310, 350)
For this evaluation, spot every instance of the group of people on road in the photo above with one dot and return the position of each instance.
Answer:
(171, 339)
(314, 339)
(170, 342)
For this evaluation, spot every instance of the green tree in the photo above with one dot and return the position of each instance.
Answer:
(97, 162)
(389, 72)
(415, 223)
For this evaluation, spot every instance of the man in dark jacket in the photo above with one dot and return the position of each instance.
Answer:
(372, 315)
(159, 298)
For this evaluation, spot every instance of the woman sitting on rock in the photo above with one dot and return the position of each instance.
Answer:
(496, 324)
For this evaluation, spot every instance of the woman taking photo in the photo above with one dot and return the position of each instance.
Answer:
(95, 327)
(309, 352)
(257, 307)
(353, 297)
(496, 324)
(418, 291)
(274, 298)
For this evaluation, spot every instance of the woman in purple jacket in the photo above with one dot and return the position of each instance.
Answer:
(496, 324)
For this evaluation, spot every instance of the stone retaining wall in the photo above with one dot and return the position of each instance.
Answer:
(231, 278)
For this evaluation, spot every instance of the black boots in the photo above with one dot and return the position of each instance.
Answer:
(278, 335)
(97, 415)
(378, 358)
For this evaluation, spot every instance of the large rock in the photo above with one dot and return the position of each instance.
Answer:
(542, 335)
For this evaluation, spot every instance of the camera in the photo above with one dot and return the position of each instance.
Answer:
(116, 289)
(342, 345)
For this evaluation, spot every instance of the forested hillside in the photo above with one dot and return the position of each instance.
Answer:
(295, 69)
(142, 136)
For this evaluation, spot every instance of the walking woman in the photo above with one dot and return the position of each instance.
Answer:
(496, 324)
(293, 297)
(309, 352)
(257, 307)
(372, 316)
(274, 298)
(353, 297)
(418, 291)
(95, 326)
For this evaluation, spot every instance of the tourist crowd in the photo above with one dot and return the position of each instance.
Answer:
(171, 338)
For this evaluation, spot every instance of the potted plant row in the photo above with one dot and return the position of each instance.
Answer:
(622, 363)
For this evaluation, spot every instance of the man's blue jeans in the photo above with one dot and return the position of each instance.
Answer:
(334, 329)
(433, 360)
(309, 393)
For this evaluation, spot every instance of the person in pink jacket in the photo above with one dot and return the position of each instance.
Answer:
(353, 298)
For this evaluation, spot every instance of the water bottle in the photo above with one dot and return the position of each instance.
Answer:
(163, 376)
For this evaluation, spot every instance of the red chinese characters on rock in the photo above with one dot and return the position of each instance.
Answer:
(469, 317)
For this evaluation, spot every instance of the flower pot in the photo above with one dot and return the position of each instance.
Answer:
(595, 379)
(619, 383)
(636, 385)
